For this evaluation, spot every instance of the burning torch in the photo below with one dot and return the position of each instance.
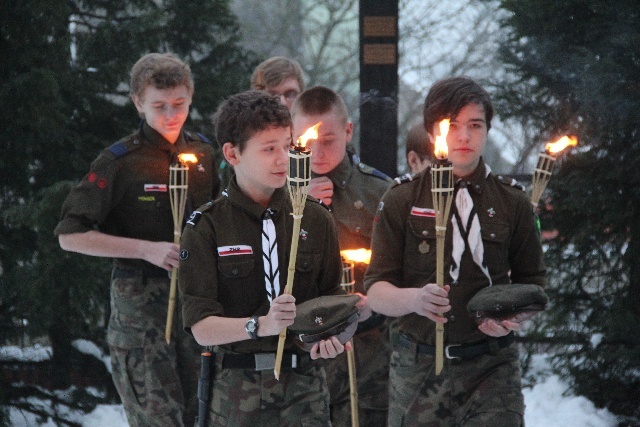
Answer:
(349, 258)
(546, 163)
(442, 192)
(178, 188)
(298, 183)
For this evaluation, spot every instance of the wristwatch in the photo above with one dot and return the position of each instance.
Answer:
(252, 327)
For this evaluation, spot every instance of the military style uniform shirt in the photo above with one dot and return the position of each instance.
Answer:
(404, 248)
(357, 188)
(126, 192)
(222, 269)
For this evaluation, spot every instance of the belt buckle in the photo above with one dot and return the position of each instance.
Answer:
(265, 361)
(446, 352)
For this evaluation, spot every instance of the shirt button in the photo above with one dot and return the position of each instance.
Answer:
(425, 232)
(305, 264)
(358, 229)
(477, 186)
(452, 318)
(344, 183)
(235, 271)
(493, 236)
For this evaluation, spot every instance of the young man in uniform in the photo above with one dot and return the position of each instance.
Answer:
(418, 149)
(233, 271)
(352, 190)
(121, 209)
(491, 239)
(279, 76)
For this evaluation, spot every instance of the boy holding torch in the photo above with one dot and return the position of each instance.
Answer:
(491, 240)
(233, 273)
(121, 209)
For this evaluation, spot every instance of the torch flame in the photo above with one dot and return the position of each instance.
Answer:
(561, 144)
(311, 133)
(187, 158)
(357, 255)
(441, 150)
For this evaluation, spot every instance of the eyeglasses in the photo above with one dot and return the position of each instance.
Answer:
(289, 95)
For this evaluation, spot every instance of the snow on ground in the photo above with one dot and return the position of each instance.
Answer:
(547, 402)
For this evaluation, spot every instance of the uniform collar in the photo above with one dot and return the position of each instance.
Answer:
(159, 141)
(277, 203)
(477, 180)
(341, 174)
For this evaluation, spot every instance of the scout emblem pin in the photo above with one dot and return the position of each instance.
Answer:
(423, 247)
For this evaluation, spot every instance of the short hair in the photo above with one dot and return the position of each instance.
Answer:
(418, 141)
(448, 96)
(320, 100)
(243, 115)
(273, 71)
(162, 71)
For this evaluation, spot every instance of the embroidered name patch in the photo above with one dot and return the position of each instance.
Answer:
(162, 188)
(423, 212)
(234, 250)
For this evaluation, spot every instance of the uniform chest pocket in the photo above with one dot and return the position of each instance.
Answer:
(420, 244)
(495, 239)
(236, 266)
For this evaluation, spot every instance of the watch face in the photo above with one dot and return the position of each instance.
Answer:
(251, 325)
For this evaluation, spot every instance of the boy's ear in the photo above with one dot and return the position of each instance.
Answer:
(137, 102)
(349, 131)
(230, 152)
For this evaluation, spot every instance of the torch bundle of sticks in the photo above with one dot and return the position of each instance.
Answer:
(442, 194)
(298, 183)
(178, 190)
(544, 168)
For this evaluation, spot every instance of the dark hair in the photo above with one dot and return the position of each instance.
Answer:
(448, 96)
(273, 71)
(418, 142)
(243, 115)
(320, 100)
(162, 71)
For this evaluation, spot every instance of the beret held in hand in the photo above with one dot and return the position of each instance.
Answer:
(513, 302)
(323, 317)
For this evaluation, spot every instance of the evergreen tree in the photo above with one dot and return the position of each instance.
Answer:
(64, 76)
(578, 68)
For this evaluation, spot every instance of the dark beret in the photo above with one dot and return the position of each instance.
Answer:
(323, 317)
(515, 302)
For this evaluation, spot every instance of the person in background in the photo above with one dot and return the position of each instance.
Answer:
(418, 149)
(352, 190)
(491, 240)
(233, 272)
(121, 209)
(279, 76)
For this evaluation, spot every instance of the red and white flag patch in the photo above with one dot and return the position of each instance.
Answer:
(162, 188)
(235, 250)
(423, 212)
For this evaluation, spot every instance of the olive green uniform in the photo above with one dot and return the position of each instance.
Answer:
(478, 389)
(126, 193)
(222, 274)
(357, 189)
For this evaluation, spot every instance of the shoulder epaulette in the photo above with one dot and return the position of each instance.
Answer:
(407, 177)
(510, 182)
(124, 146)
(197, 136)
(197, 214)
(368, 170)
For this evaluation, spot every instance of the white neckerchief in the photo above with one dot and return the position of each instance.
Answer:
(270, 256)
(465, 212)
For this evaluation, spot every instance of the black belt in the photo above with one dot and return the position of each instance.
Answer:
(461, 351)
(147, 272)
(262, 361)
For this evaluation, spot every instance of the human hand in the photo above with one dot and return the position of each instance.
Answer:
(162, 254)
(328, 349)
(322, 189)
(498, 328)
(432, 301)
(364, 311)
(281, 314)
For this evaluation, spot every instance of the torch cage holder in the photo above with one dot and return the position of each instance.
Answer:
(178, 186)
(348, 280)
(541, 176)
(442, 190)
(298, 178)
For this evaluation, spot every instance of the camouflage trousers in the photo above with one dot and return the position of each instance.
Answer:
(484, 391)
(372, 352)
(157, 382)
(250, 398)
